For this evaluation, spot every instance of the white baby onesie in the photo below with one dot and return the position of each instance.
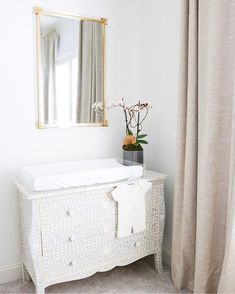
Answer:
(131, 206)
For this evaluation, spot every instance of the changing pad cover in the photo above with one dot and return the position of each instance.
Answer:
(77, 173)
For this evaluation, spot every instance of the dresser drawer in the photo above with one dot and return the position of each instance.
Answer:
(85, 234)
(96, 256)
(75, 210)
(78, 231)
(80, 237)
(91, 208)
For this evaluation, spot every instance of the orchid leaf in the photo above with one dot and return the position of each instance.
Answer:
(142, 136)
(142, 142)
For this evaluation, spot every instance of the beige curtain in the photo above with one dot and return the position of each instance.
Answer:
(90, 72)
(203, 247)
(49, 52)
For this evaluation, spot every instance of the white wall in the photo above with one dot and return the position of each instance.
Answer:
(159, 84)
(142, 63)
(20, 142)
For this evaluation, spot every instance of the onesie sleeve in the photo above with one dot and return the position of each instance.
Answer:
(117, 193)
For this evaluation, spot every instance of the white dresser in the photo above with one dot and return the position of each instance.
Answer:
(70, 234)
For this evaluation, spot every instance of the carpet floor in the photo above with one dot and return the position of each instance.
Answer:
(138, 277)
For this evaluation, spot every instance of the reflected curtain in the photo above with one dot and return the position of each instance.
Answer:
(49, 51)
(90, 72)
(203, 246)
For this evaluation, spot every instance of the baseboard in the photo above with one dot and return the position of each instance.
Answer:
(10, 273)
(166, 256)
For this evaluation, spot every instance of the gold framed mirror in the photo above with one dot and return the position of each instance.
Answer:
(71, 69)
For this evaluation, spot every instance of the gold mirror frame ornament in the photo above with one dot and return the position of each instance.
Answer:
(41, 11)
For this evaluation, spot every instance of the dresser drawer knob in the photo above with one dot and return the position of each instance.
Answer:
(137, 244)
(71, 238)
(69, 212)
(72, 263)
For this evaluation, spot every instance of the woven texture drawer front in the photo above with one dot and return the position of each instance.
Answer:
(81, 237)
(97, 255)
(86, 234)
(85, 220)
(76, 210)
(83, 208)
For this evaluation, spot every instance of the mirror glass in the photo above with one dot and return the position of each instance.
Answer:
(71, 69)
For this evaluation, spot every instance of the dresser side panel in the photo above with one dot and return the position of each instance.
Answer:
(31, 237)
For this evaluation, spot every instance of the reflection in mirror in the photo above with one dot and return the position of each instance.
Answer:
(71, 78)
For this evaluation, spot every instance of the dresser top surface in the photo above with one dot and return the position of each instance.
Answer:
(148, 175)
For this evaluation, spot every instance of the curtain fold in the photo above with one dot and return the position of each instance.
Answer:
(49, 52)
(204, 187)
(186, 166)
(90, 72)
(227, 280)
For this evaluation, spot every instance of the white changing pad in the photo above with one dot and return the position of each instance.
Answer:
(77, 173)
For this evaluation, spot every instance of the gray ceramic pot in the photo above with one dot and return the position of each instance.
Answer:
(134, 156)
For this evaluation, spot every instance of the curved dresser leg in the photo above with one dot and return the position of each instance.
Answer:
(40, 289)
(26, 276)
(158, 261)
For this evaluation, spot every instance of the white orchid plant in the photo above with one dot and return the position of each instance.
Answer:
(134, 118)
